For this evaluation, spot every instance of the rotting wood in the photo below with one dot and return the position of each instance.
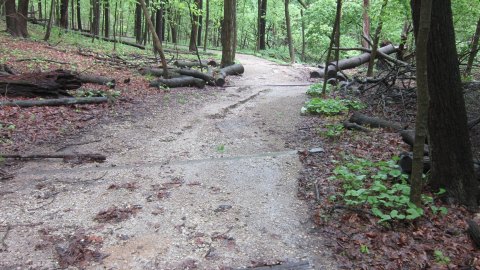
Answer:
(39, 84)
(374, 122)
(178, 82)
(54, 102)
(66, 157)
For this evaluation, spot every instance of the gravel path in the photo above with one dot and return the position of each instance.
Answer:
(210, 184)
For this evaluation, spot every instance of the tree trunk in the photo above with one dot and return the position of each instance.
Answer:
(207, 21)
(39, 6)
(79, 16)
(303, 35)
(178, 82)
(157, 44)
(50, 21)
(200, 23)
(449, 140)
(106, 18)
(416, 180)
(64, 14)
(72, 14)
(262, 24)
(95, 27)
(332, 39)
(194, 31)
(39, 84)
(159, 22)
(138, 23)
(12, 18)
(473, 51)
(291, 49)
(376, 38)
(228, 33)
(366, 24)
(53, 102)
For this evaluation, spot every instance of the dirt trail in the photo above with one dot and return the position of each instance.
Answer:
(215, 181)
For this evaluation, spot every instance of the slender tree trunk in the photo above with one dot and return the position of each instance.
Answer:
(79, 16)
(194, 30)
(332, 40)
(200, 23)
(207, 21)
(262, 25)
(449, 140)
(289, 33)
(159, 22)
(64, 14)
(366, 24)
(376, 39)
(473, 51)
(138, 23)
(22, 18)
(50, 21)
(72, 14)
(106, 16)
(12, 18)
(157, 44)
(95, 27)
(422, 102)
(39, 7)
(115, 22)
(229, 32)
(303, 35)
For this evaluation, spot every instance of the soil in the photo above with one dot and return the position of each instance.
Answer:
(194, 179)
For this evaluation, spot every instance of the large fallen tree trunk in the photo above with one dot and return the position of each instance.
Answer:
(65, 157)
(124, 42)
(349, 63)
(374, 122)
(189, 64)
(197, 74)
(54, 102)
(408, 136)
(157, 72)
(39, 84)
(87, 78)
(178, 82)
(219, 76)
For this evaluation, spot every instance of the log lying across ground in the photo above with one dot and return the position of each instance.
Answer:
(118, 40)
(350, 63)
(185, 77)
(39, 84)
(86, 78)
(65, 157)
(189, 64)
(178, 82)
(54, 102)
(374, 122)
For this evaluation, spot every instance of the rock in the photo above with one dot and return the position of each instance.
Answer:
(222, 208)
(316, 150)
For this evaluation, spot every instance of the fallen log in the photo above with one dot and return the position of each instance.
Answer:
(406, 161)
(5, 70)
(474, 232)
(53, 102)
(190, 64)
(87, 78)
(408, 136)
(157, 72)
(124, 42)
(374, 122)
(349, 63)
(236, 69)
(197, 74)
(473, 123)
(66, 157)
(178, 82)
(219, 78)
(39, 84)
(354, 126)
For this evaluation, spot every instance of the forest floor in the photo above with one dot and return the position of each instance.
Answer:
(217, 178)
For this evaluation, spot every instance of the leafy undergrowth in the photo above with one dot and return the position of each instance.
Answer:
(21, 128)
(359, 199)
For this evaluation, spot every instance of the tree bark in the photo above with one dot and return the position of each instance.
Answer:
(262, 24)
(207, 21)
(79, 16)
(416, 180)
(194, 30)
(138, 23)
(291, 49)
(336, 24)
(366, 24)
(376, 38)
(53, 102)
(95, 27)
(50, 21)
(200, 23)
(229, 33)
(12, 18)
(157, 44)
(473, 51)
(106, 18)
(303, 36)
(159, 25)
(39, 84)
(449, 140)
(64, 14)
(374, 122)
(179, 82)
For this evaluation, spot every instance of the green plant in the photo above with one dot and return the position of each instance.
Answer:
(331, 106)
(364, 249)
(440, 258)
(380, 186)
(221, 148)
(315, 90)
(333, 130)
